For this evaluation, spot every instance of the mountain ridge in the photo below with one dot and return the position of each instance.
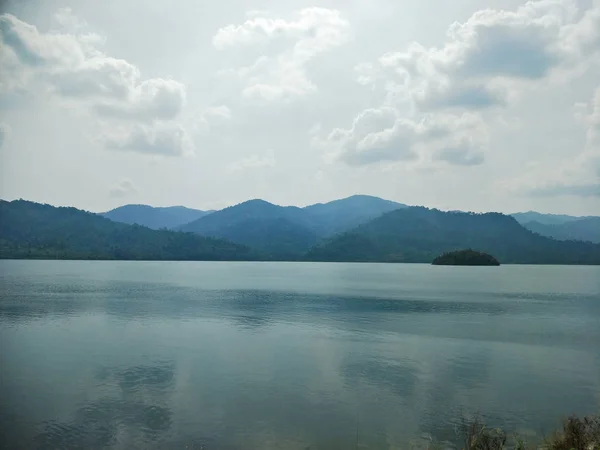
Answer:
(583, 229)
(419, 234)
(257, 229)
(155, 217)
(33, 230)
(287, 231)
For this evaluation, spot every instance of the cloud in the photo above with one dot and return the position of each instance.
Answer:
(5, 131)
(440, 96)
(96, 77)
(375, 135)
(380, 135)
(218, 112)
(558, 189)
(490, 54)
(578, 176)
(155, 99)
(123, 188)
(67, 20)
(253, 162)
(73, 66)
(467, 153)
(50, 50)
(296, 42)
(164, 140)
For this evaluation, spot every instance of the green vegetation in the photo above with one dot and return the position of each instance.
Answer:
(259, 230)
(288, 232)
(465, 258)
(420, 234)
(584, 229)
(281, 232)
(33, 230)
(576, 434)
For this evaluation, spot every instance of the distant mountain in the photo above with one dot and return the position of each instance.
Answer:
(282, 231)
(288, 231)
(340, 215)
(33, 230)
(585, 229)
(546, 219)
(154, 217)
(418, 234)
(405, 234)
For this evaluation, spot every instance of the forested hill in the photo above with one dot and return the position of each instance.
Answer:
(33, 230)
(584, 229)
(280, 231)
(420, 234)
(413, 234)
(288, 232)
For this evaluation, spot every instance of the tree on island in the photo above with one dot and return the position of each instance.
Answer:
(465, 258)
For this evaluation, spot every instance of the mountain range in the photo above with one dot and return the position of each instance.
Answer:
(358, 228)
(420, 234)
(33, 230)
(248, 222)
(581, 229)
(288, 231)
(154, 217)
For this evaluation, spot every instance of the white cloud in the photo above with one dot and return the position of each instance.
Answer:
(446, 90)
(491, 54)
(5, 131)
(253, 162)
(155, 99)
(123, 188)
(67, 20)
(163, 140)
(491, 95)
(97, 77)
(379, 135)
(219, 112)
(466, 152)
(311, 32)
(74, 67)
(578, 176)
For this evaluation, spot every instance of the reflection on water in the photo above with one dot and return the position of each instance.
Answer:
(259, 356)
(138, 411)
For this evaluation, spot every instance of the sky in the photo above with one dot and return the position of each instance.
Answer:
(471, 105)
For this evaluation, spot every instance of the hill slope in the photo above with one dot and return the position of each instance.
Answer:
(280, 231)
(585, 229)
(419, 234)
(154, 217)
(339, 215)
(546, 219)
(33, 230)
(288, 231)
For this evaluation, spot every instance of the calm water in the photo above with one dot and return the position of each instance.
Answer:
(289, 356)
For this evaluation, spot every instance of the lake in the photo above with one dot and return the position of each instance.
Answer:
(204, 355)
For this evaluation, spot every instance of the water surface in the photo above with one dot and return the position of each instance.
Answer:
(289, 355)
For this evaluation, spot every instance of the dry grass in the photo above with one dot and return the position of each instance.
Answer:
(576, 434)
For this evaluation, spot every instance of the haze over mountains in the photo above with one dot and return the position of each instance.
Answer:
(289, 230)
(358, 228)
(33, 230)
(419, 234)
(154, 217)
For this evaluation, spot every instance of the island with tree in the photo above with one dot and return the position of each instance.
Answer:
(465, 258)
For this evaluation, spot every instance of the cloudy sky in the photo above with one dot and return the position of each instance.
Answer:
(466, 104)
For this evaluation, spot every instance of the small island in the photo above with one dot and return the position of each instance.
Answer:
(465, 258)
